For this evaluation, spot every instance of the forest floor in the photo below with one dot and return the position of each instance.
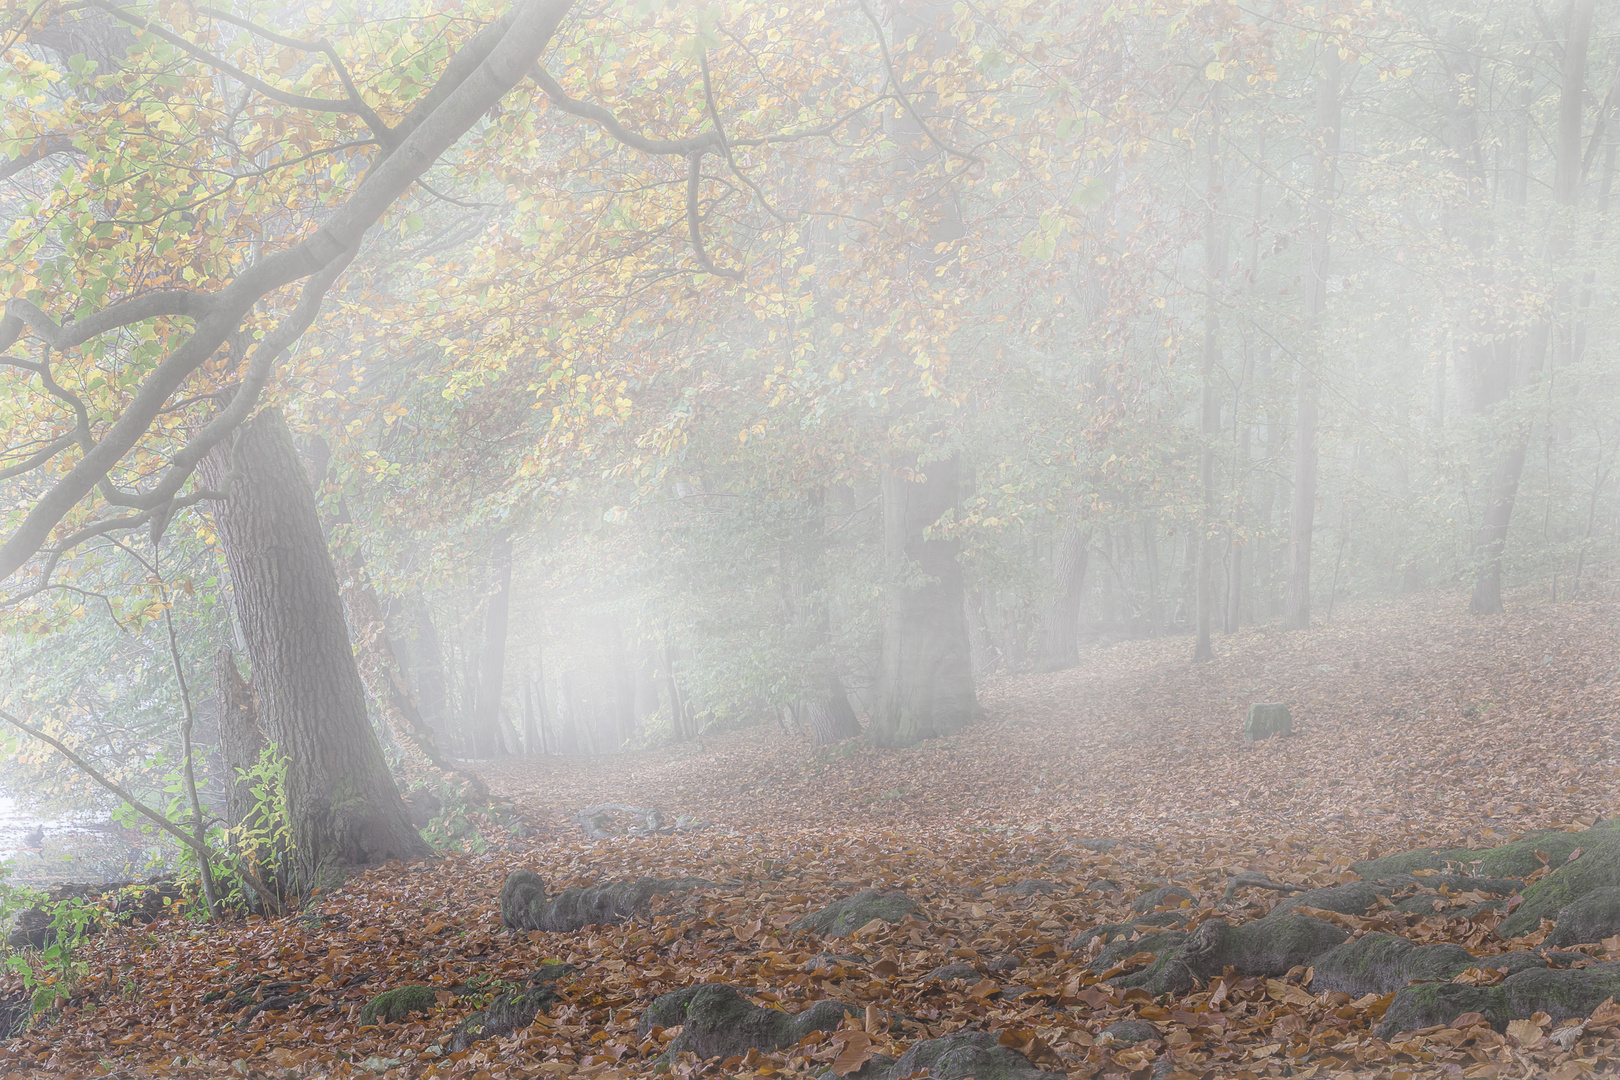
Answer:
(1415, 726)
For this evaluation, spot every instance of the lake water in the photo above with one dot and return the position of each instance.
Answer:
(86, 847)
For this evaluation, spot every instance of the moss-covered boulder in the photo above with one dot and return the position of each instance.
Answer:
(1265, 719)
(1122, 946)
(1562, 995)
(1035, 886)
(716, 1021)
(1384, 963)
(1265, 947)
(1593, 917)
(1131, 1031)
(1171, 896)
(1513, 860)
(1351, 898)
(396, 1004)
(1597, 868)
(957, 1056)
(848, 915)
(525, 905)
(513, 1010)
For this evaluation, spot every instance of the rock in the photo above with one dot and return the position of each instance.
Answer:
(1131, 1031)
(1561, 994)
(120, 901)
(1512, 860)
(1265, 947)
(716, 1021)
(1164, 896)
(1004, 963)
(1266, 719)
(378, 1064)
(525, 906)
(1033, 887)
(850, 914)
(1352, 898)
(1100, 845)
(957, 1056)
(1159, 944)
(827, 961)
(396, 1004)
(958, 970)
(1593, 917)
(514, 1010)
(1597, 868)
(1383, 963)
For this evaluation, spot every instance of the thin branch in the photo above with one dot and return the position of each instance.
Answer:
(900, 91)
(694, 220)
(709, 140)
(49, 451)
(384, 133)
(23, 314)
(42, 149)
(297, 101)
(725, 147)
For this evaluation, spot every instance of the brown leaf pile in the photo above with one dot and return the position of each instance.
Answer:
(1414, 728)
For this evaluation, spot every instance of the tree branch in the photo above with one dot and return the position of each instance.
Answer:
(900, 91)
(609, 123)
(694, 219)
(477, 77)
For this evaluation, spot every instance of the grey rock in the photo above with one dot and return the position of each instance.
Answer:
(846, 916)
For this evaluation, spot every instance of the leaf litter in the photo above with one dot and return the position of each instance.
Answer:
(1079, 792)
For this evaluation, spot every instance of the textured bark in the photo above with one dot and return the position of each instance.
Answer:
(1060, 626)
(379, 668)
(344, 807)
(829, 717)
(925, 687)
(240, 739)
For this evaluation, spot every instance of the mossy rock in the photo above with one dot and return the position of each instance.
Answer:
(1351, 898)
(1167, 941)
(1265, 947)
(1131, 1031)
(1593, 917)
(717, 1021)
(1164, 896)
(1265, 719)
(1512, 860)
(851, 913)
(1384, 963)
(396, 1004)
(1597, 868)
(513, 1010)
(525, 905)
(957, 1056)
(1562, 995)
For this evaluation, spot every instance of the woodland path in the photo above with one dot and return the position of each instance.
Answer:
(1418, 726)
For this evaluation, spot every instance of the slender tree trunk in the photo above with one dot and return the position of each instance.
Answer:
(677, 707)
(1060, 626)
(486, 718)
(342, 801)
(1209, 404)
(1556, 331)
(240, 739)
(829, 716)
(925, 686)
(1302, 519)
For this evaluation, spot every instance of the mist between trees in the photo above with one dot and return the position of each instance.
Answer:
(599, 375)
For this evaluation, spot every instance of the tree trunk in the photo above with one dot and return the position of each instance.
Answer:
(925, 686)
(1209, 405)
(1492, 542)
(1060, 628)
(342, 801)
(829, 716)
(240, 739)
(486, 718)
(1297, 603)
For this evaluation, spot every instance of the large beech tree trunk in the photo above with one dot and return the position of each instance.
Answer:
(343, 804)
(925, 687)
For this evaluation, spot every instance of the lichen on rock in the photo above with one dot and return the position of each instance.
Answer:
(957, 1056)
